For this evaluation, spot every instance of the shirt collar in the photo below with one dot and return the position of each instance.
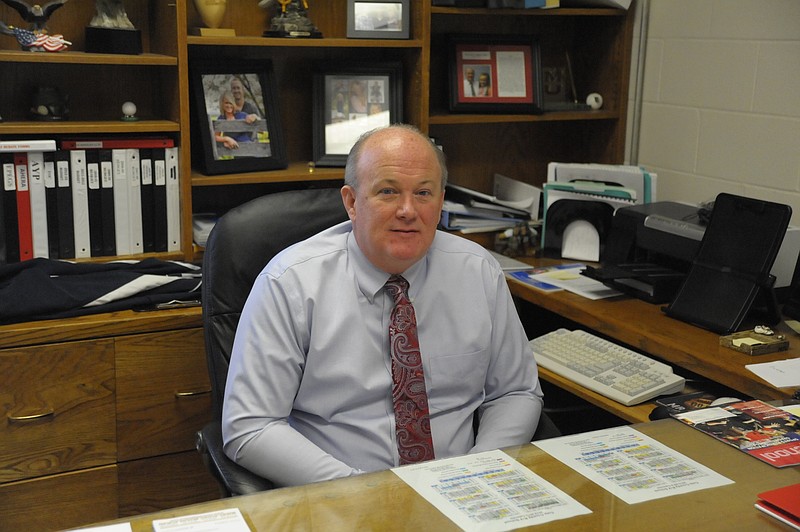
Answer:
(371, 280)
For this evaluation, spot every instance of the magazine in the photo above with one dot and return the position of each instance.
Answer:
(533, 276)
(766, 432)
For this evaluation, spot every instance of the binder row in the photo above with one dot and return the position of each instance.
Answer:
(80, 203)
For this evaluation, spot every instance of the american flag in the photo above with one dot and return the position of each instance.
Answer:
(39, 41)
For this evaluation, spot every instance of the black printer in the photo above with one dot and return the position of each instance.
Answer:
(650, 249)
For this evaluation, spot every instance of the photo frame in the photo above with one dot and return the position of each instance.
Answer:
(349, 100)
(495, 74)
(250, 138)
(378, 19)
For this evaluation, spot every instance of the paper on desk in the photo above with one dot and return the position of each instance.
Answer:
(120, 527)
(509, 264)
(489, 491)
(792, 409)
(228, 520)
(781, 374)
(631, 465)
(570, 279)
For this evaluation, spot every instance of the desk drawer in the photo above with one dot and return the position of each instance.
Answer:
(57, 502)
(162, 482)
(57, 408)
(163, 392)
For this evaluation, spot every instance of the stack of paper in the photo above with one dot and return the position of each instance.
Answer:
(468, 210)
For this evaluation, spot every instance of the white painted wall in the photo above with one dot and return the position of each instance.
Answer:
(720, 109)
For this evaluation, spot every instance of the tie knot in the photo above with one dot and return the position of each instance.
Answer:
(398, 287)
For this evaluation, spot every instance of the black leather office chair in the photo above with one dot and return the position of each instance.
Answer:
(240, 245)
(238, 248)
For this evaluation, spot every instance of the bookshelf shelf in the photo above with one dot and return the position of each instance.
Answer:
(302, 43)
(85, 58)
(94, 127)
(296, 172)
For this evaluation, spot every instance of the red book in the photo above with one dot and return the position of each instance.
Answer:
(23, 206)
(782, 504)
(115, 143)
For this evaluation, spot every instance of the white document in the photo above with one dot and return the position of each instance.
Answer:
(631, 465)
(517, 194)
(643, 182)
(570, 279)
(489, 491)
(509, 264)
(580, 241)
(229, 520)
(781, 373)
(121, 527)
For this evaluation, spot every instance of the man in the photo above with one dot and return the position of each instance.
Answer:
(469, 82)
(241, 103)
(309, 395)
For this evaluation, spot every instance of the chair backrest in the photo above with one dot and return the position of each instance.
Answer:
(242, 242)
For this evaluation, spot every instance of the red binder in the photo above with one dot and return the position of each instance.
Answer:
(782, 504)
(23, 206)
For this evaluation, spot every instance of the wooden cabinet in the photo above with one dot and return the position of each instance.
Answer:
(598, 41)
(98, 425)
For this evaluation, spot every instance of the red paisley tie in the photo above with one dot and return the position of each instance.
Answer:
(412, 421)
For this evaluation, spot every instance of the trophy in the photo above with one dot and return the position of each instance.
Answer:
(212, 12)
(292, 21)
(111, 31)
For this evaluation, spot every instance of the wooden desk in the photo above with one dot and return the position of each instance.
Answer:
(381, 501)
(645, 327)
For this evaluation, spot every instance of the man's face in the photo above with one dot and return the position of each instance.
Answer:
(237, 90)
(397, 205)
(470, 74)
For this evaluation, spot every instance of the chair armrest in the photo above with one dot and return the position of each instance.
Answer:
(233, 478)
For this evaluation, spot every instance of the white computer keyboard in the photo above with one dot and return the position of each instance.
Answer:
(609, 369)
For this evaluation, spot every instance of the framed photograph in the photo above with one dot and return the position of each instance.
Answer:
(236, 116)
(378, 19)
(350, 100)
(495, 74)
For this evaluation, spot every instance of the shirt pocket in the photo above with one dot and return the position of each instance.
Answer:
(456, 380)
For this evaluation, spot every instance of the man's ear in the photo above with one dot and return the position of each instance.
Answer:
(349, 200)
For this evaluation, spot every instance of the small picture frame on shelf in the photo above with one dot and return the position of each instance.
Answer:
(349, 100)
(495, 74)
(236, 114)
(378, 19)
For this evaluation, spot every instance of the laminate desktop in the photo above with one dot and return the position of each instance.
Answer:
(381, 501)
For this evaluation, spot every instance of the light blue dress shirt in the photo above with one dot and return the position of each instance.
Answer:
(308, 395)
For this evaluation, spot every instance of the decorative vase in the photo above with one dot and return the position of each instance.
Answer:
(211, 11)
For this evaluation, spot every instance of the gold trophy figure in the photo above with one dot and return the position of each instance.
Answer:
(292, 21)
